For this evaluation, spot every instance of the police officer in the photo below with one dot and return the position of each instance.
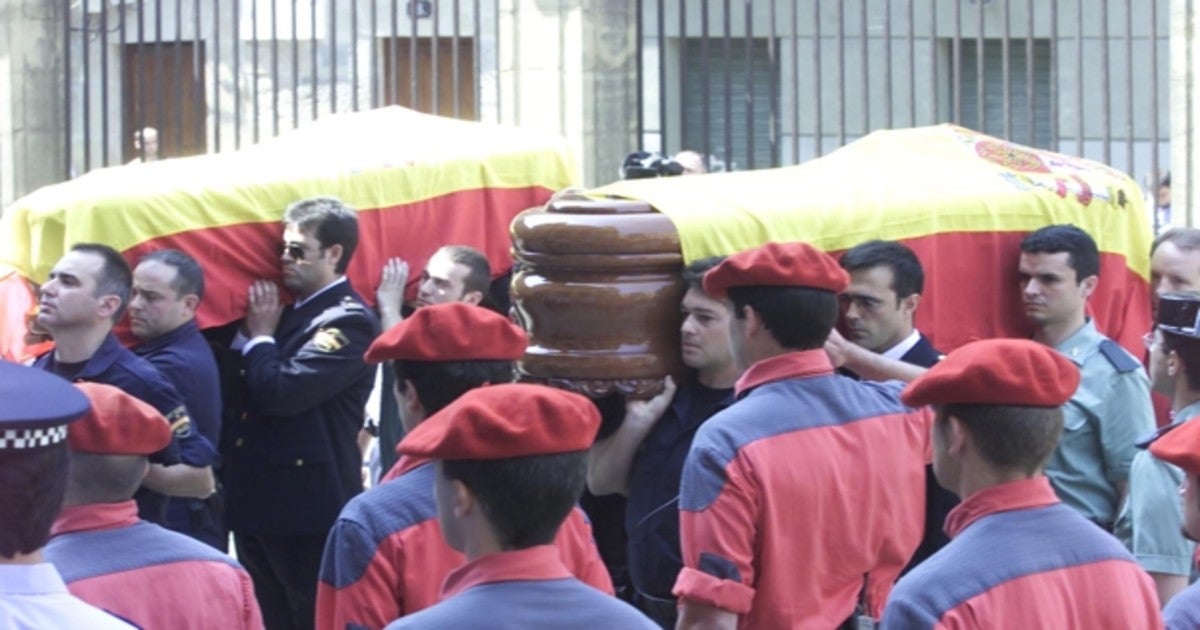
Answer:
(87, 293)
(167, 288)
(1180, 446)
(33, 479)
(1059, 269)
(293, 459)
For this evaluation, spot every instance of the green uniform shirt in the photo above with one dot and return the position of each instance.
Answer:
(1101, 422)
(1152, 515)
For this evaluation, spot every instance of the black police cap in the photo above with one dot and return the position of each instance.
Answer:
(1179, 314)
(37, 407)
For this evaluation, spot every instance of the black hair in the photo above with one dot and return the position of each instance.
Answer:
(1188, 349)
(98, 478)
(799, 318)
(439, 383)
(525, 499)
(1082, 254)
(1011, 437)
(907, 275)
(479, 271)
(693, 274)
(189, 277)
(332, 222)
(115, 276)
(32, 485)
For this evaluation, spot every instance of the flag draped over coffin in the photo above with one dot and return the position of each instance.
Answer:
(962, 200)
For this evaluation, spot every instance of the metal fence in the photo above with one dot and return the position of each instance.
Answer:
(763, 83)
(211, 75)
(748, 83)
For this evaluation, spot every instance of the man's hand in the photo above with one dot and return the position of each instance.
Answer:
(642, 415)
(389, 297)
(836, 347)
(265, 309)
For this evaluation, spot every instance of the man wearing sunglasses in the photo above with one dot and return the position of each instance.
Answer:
(292, 459)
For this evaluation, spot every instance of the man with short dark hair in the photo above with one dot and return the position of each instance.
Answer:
(293, 459)
(455, 273)
(1019, 558)
(384, 557)
(1059, 269)
(86, 293)
(886, 281)
(110, 558)
(167, 288)
(643, 458)
(803, 500)
(1150, 518)
(510, 464)
(33, 480)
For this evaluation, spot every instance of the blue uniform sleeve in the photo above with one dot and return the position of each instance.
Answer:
(188, 445)
(330, 360)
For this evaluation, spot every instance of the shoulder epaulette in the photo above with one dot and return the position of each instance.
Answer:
(1118, 357)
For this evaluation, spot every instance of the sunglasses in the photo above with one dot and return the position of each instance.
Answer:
(296, 251)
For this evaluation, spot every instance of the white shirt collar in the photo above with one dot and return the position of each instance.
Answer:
(902, 348)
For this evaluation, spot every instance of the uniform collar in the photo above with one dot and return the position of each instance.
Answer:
(99, 362)
(1188, 412)
(319, 292)
(798, 364)
(1078, 346)
(1005, 497)
(168, 338)
(95, 516)
(409, 463)
(541, 562)
(898, 351)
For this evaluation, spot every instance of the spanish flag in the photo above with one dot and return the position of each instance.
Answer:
(960, 199)
(418, 182)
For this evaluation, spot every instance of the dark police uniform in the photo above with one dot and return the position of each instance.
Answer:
(184, 357)
(113, 364)
(293, 458)
(652, 511)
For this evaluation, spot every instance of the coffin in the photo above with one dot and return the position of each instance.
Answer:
(598, 289)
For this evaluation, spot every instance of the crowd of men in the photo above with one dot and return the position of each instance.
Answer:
(822, 465)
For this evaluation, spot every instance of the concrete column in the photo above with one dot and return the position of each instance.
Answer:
(32, 152)
(570, 67)
(1185, 111)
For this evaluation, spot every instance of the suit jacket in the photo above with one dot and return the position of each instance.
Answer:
(292, 458)
(922, 354)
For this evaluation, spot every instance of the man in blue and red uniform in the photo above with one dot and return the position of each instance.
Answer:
(805, 498)
(1018, 556)
(385, 557)
(167, 288)
(109, 557)
(86, 293)
(511, 462)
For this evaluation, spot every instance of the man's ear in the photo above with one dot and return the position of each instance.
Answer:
(472, 297)
(1088, 285)
(909, 304)
(191, 301)
(334, 253)
(109, 305)
(754, 323)
(411, 400)
(957, 435)
(464, 500)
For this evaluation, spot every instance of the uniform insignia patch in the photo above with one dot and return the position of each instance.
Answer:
(181, 424)
(330, 340)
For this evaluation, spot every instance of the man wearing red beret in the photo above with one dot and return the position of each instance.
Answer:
(1181, 446)
(804, 499)
(511, 461)
(385, 557)
(109, 557)
(1018, 556)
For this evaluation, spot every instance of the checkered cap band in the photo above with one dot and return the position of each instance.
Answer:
(32, 438)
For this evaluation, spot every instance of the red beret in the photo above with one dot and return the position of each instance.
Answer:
(506, 420)
(118, 424)
(777, 264)
(997, 372)
(1180, 446)
(455, 331)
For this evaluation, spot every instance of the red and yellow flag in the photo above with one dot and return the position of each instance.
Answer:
(962, 200)
(418, 182)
